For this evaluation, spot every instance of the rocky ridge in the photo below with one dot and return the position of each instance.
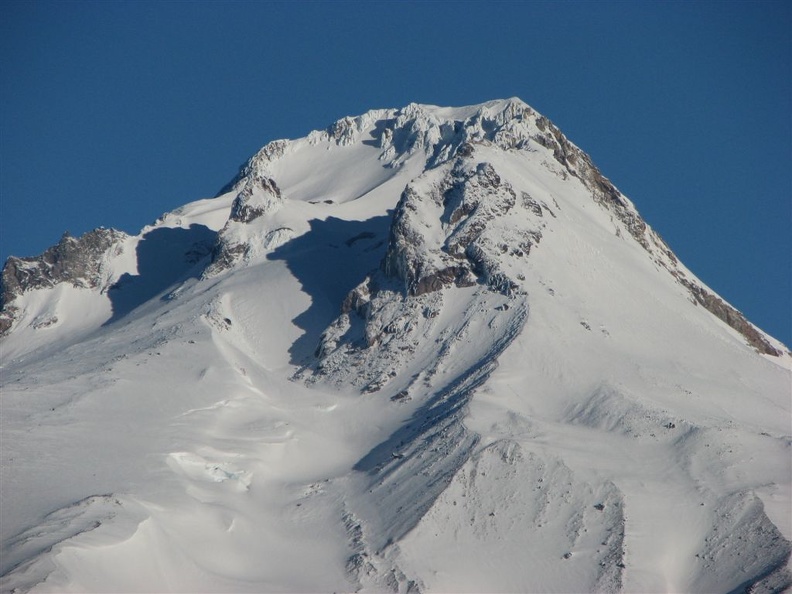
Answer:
(79, 261)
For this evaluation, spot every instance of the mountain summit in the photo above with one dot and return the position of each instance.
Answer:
(425, 349)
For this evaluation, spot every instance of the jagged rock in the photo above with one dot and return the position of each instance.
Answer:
(77, 261)
(257, 197)
(465, 203)
(358, 299)
(730, 316)
(224, 255)
(257, 165)
(7, 316)
(74, 260)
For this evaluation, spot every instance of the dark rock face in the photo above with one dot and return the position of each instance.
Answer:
(77, 261)
(258, 196)
(730, 316)
(7, 317)
(74, 260)
(467, 201)
(248, 206)
(224, 256)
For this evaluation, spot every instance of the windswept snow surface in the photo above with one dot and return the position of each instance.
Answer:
(524, 398)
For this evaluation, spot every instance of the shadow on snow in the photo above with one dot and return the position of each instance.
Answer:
(165, 256)
(330, 260)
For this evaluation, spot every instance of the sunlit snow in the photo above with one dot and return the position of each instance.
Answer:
(591, 428)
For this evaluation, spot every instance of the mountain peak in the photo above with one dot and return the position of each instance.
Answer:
(419, 137)
(423, 349)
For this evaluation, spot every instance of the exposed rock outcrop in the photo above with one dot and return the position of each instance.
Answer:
(450, 235)
(79, 261)
(257, 197)
(241, 236)
(730, 316)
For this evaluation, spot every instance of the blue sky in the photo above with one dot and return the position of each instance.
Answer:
(112, 113)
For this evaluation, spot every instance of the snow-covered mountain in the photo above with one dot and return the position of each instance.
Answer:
(427, 349)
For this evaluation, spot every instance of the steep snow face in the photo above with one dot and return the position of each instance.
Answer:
(426, 349)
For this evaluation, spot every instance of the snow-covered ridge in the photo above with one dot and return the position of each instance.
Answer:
(426, 136)
(397, 133)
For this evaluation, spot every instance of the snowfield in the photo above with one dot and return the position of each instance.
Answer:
(425, 350)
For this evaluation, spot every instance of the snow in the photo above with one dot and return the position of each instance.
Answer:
(596, 430)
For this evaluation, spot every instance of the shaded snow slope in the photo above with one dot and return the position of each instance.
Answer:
(428, 349)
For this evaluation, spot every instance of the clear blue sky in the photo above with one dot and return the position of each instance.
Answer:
(113, 112)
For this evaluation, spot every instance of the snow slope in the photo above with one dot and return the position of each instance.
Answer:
(428, 349)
